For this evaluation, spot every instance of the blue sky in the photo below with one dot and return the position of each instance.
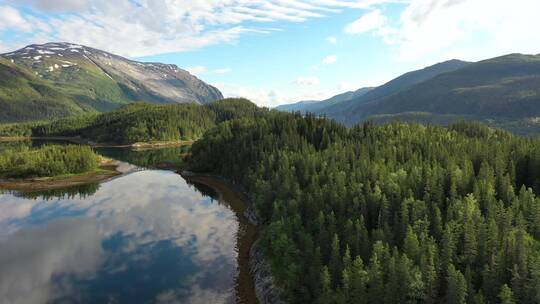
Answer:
(281, 51)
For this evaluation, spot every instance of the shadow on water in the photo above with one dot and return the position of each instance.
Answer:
(205, 190)
(170, 157)
(79, 191)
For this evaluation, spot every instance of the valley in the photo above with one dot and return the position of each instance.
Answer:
(410, 192)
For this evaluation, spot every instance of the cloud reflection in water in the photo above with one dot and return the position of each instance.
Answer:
(146, 236)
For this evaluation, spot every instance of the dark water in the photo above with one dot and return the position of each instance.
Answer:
(150, 158)
(146, 237)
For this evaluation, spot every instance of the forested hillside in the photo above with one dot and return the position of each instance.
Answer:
(341, 111)
(400, 213)
(338, 106)
(496, 89)
(506, 86)
(139, 122)
(501, 92)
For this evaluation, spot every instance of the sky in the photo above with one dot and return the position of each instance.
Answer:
(281, 51)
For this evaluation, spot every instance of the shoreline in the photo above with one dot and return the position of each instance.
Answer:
(252, 263)
(246, 236)
(106, 171)
(81, 141)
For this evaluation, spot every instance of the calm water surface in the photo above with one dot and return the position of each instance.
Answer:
(146, 237)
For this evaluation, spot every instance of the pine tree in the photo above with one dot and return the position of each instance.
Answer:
(506, 295)
(456, 290)
(335, 261)
(359, 280)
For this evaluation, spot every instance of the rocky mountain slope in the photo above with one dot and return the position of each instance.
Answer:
(89, 80)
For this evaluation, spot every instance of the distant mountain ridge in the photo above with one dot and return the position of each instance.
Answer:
(84, 79)
(501, 87)
(316, 105)
(398, 84)
(502, 91)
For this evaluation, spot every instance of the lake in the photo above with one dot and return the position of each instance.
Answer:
(146, 237)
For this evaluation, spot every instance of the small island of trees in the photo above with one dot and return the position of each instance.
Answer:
(47, 161)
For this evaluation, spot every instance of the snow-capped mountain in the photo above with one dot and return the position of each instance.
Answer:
(98, 80)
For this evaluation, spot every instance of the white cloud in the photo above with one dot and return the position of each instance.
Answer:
(274, 97)
(58, 5)
(222, 71)
(307, 81)
(141, 28)
(200, 70)
(262, 97)
(346, 86)
(435, 30)
(332, 40)
(12, 19)
(330, 59)
(368, 22)
(452, 26)
(197, 70)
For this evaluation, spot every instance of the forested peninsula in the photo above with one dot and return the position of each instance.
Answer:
(399, 213)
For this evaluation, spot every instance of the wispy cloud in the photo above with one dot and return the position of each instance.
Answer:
(12, 19)
(307, 81)
(330, 59)
(140, 28)
(200, 70)
(222, 71)
(197, 70)
(368, 22)
(332, 40)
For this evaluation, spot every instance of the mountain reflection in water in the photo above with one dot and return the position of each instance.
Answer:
(147, 237)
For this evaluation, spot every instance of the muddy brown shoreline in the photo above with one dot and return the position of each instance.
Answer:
(246, 237)
(255, 283)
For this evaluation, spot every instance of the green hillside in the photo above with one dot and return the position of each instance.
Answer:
(506, 87)
(62, 79)
(24, 96)
(403, 82)
(139, 122)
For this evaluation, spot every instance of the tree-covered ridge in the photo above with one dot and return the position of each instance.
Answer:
(47, 161)
(400, 213)
(140, 122)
